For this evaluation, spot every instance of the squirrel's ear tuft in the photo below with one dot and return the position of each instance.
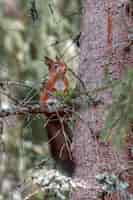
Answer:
(57, 58)
(48, 61)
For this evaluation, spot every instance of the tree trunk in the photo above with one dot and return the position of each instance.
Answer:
(103, 39)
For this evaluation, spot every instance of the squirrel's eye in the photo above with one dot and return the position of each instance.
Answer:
(56, 66)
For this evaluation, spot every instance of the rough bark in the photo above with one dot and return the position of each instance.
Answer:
(103, 39)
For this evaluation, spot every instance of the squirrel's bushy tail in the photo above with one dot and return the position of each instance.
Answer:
(59, 138)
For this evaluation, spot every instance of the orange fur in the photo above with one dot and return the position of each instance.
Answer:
(54, 75)
(59, 142)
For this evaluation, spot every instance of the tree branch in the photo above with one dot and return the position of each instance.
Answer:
(29, 109)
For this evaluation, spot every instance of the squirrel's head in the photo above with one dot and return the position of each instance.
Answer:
(55, 66)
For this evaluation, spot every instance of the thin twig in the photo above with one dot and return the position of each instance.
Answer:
(10, 97)
(67, 140)
(77, 77)
(32, 194)
(57, 133)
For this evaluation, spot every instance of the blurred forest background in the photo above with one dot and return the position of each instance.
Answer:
(26, 37)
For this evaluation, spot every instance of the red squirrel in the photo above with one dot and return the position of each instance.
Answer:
(58, 132)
